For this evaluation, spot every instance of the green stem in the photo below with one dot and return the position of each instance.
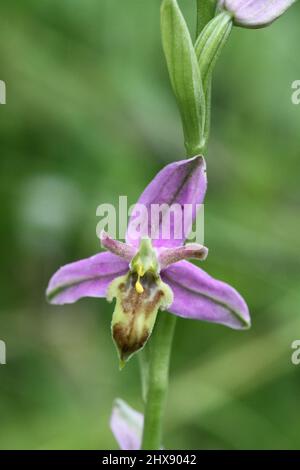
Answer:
(205, 12)
(158, 378)
(144, 357)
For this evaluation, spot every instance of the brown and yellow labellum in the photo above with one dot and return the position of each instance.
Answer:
(138, 299)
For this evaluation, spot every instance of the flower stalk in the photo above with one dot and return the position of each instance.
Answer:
(158, 379)
(205, 12)
(150, 271)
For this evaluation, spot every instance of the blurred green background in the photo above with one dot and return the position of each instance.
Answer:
(90, 116)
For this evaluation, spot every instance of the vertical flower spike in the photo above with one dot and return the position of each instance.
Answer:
(255, 13)
(139, 294)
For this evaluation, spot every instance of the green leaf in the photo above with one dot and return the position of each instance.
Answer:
(184, 74)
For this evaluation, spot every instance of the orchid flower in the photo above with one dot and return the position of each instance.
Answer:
(126, 425)
(255, 13)
(145, 275)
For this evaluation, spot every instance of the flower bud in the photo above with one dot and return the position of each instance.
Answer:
(255, 13)
(184, 74)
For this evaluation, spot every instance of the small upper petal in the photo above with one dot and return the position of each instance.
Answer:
(120, 249)
(170, 256)
(255, 13)
(199, 296)
(168, 206)
(88, 277)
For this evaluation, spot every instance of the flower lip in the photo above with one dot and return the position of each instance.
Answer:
(135, 311)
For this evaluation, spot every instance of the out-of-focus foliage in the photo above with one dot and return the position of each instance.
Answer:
(90, 116)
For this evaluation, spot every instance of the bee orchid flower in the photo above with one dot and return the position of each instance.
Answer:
(150, 272)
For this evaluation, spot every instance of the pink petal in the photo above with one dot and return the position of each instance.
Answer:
(88, 277)
(170, 256)
(199, 296)
(120, 249)
(255, 13)
(178, 184)
(127, 426)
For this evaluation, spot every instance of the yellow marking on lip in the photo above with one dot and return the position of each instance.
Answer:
(138, 285)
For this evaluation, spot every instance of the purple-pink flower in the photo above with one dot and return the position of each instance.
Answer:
(126, 425)
(255, 13)
(145, 275)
